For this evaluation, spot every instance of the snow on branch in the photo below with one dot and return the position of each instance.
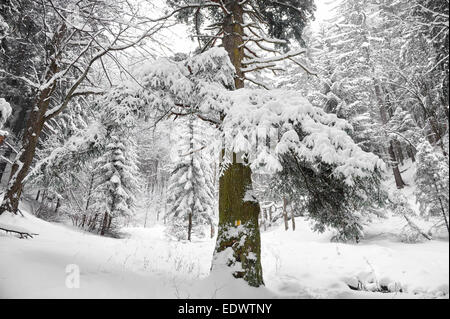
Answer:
(325, 135)
(200, 85)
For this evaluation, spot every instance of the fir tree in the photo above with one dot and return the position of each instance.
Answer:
(191, 191)
(432, 180)
(118, 182)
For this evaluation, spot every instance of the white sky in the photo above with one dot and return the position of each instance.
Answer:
(324, 11)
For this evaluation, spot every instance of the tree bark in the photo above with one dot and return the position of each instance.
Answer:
(411, 154)
(32, 132)
(293, 219)
(104, 224)
(285, 216)
(397, 176)
(91, 185)
(58, 204)
(384, 119)
(212, 230)
(265, 218)
(238, 217)
(190, 226)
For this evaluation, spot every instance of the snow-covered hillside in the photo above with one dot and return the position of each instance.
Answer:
(145, 264)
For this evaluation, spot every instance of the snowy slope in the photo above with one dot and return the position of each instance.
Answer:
(298, 264)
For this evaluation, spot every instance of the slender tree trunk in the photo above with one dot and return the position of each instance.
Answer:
(93, 223)
(265, 218)
(44, 196)
(411, 154)
(212, 230)
(108, 227)
(235, 213)
(270, 215)
(442, 206)
(285, 216)
(397, 176)
(104, 224)
(58, 204)
(190, 226)
(293, 219)
(37, 195)
(384, 118)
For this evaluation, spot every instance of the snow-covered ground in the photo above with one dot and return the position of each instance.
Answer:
(147, 264)
(299, 264)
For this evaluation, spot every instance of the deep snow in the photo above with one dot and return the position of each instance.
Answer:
(299, 264)
(145, 263)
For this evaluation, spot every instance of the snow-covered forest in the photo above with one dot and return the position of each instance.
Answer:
(224, 149)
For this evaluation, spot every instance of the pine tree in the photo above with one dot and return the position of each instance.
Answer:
(432, 180)
(117, 183)
(191, 192)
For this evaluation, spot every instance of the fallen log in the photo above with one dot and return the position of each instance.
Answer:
(22, 232)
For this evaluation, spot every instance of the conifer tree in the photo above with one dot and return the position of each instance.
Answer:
(249, 30)
(191, 192)
(117, 183)
(432, 180)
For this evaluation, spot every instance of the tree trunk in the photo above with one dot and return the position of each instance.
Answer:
(83, 220)
(270, 215)
(397, 176)
(58, 204)
(212, 230)
(104, 224)
(189, 226)
(108, 227)
(44, 196)
(238, 218)
(33, 130)
(293, 219)
(411, 154)
(265, 218)
(93, 223)
(442, 206)
(37, 195)
(25, 157)
(384, 119)
(285, 216)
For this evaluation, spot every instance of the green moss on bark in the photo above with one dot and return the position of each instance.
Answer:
(244, 239)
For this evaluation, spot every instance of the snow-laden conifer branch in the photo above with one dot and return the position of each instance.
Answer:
(193, 87)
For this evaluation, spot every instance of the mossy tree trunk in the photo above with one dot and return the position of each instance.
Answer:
(238, 214)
